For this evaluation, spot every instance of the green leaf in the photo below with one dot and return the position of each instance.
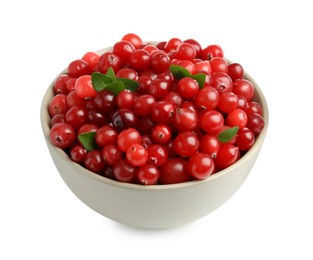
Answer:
(116, 87)
(100, 81)
(179, 72)
(129, 84)
(88, 140)
(200, 77)
(111, 73)
(228, 134)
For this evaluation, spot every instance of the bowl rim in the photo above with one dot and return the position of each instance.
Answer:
(45, 120)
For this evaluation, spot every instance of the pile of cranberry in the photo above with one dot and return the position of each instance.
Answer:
(159, 113)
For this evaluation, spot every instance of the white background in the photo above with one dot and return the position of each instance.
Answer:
(271, 215)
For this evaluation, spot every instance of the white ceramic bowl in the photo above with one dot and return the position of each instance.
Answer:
(158, 206)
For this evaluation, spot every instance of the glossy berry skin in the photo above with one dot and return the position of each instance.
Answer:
(58, 105)
(92, 59)
(211, 121)
(186, 144)
(237, 117)
(161, 134)
(245, 88)
(185, 119)
(255, 123)
(94, 161)
(128, 137)
(76, 116)
(245, 139)
(162, 112)
(207, 98)
(140, 60)
(105, 101)
(78, 153)
(148, 174)
(187, 87)
(159, 88)
(235, 71)
(157, 155)
(84, 88)
(124, 118)
(137, 155)
(134, 39)
(173, 171)
(222, 82)
(62, 135)
(59, 86)
(185, 51)
(219, 64)
(227, 155)
(228, 101)
(160, 62)
(124, 50)
(107, 60)
(212, 51)
(106, 135)
(196, 45)
(125, 99)
(123, 171)
(200, 166)
(210, 145)
(111, 154)
(78, 68)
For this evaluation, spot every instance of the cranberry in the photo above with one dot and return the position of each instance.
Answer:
(157, 155)
(94, 161)
(106, 135)
(137, 155)
(76, 116)
(109, 59)
(245, 88)
(207, 98)
(188, 87)
(148, 174)
(186, 144)
(62, 135)
(123, 171)
(128, 137)
(245, 139)
(161, 134)
(227, 155)
(124, 50)
(134, 39)
(58, 105)
(173, 171)
(78, 153)
(185, 119)
(255, 123)
(111, 154)
(210, 145)
(78, 68)
(123, 119)
(211, 121)
(222, 82)
(235, 71)
(200, 166)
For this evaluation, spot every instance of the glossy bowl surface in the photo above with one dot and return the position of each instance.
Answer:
(158, 206)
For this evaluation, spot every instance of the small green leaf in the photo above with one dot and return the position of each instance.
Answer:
(116, 87)
(200, 77)
(129, 84)
(228, 134)
(100, 81)
(88, 140)
(179, 72)
(111, 73)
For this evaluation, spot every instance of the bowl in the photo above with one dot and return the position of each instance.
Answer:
(155, 206)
